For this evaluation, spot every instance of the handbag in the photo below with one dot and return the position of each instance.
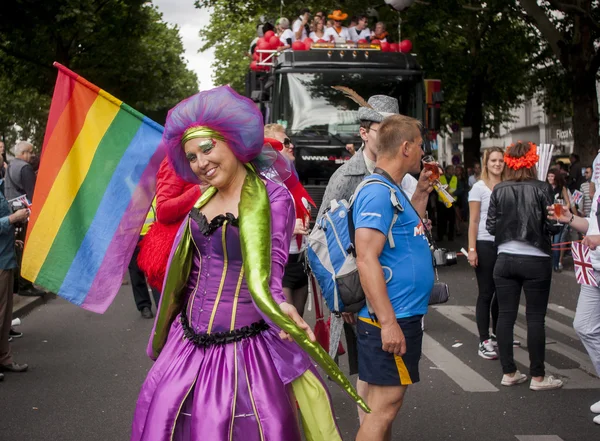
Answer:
(439, 294)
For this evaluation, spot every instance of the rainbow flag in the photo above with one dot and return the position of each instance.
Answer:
(95, 184)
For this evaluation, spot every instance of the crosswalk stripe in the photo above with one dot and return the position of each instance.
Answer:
(459, 372)
(538, 438)
(561, 310)
(556, 325)
(580, 378)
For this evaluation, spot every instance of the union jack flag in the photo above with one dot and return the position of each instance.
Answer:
(583, 265)
(577, 197)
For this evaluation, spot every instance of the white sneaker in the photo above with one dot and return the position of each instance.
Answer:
(486, 350)
(595, 407)
(596, 419)
(517, 378)
(548, 383)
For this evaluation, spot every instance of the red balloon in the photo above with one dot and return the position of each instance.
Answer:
(255, 56)
(321, 41)
(376, 41)
(362, 40)
(394, 47)
(263, 45)
(298, 46)
(308, 42)
(405, 46)
(254, 66)
(385, 46)
(269, 35)
(274, 41)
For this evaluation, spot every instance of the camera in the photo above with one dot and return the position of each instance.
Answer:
(16, 205)
(443, 257)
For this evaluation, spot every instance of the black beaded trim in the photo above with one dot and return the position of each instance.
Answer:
(208, 228)
(221, 338)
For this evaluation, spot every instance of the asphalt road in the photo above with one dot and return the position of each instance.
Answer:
(86, 371)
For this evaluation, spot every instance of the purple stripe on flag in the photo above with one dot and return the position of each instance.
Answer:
(118, 254)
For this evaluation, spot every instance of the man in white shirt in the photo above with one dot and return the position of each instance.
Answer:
(338, 32)
(360, 31)
(300, 25)
(286, 36)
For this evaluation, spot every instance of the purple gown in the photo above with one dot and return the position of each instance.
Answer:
(234, 391)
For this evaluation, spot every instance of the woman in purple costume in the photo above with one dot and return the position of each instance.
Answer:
(233, 358)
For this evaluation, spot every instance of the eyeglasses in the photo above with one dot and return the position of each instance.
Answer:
(287, 142)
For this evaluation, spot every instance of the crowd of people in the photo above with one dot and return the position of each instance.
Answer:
(226, 256)
(328, 28)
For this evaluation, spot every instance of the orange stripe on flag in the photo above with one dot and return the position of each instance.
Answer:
(61, 140)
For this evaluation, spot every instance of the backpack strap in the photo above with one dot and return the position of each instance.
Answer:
(393, 199)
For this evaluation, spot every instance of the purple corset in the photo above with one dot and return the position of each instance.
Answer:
(218, 297)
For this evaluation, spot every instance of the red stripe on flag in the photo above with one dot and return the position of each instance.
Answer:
(62, 94)
(59, 143)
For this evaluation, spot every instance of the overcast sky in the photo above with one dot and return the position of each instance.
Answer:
(190, 20)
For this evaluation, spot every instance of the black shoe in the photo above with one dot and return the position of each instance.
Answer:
(15, 334)
(13, 367)
(10, 339)
(1, 377)
(146, 313)
(31, 292)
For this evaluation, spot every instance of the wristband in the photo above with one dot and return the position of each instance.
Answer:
(471, 249)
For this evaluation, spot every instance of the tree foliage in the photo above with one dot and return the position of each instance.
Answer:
(572, 31)
(485, 57)
(121, 46)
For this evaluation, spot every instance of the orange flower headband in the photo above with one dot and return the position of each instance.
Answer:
(527, 161)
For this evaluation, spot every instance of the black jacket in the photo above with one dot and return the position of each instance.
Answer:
(518, 212)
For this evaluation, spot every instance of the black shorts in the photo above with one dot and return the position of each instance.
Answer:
(375, 366)
(295, 276)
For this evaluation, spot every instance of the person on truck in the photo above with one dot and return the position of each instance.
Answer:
(342, 185)
(338, 31)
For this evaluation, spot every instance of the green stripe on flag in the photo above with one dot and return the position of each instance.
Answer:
(72, 231)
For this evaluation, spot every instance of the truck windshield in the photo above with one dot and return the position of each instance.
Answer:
(311, 107)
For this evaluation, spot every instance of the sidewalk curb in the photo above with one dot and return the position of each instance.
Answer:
(23, 305)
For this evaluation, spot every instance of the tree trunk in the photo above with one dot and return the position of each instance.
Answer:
(583, 68)
(585, 116)
(473, 118)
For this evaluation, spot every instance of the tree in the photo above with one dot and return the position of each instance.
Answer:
(484, 57)
(572, 31)
(122, 47)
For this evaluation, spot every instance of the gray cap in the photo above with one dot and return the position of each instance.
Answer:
(383, 106)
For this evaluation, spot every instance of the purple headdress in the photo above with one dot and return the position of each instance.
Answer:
(236, 118)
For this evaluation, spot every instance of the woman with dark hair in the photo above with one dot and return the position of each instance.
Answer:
(518, 219)
(560, 192)
(232, 355)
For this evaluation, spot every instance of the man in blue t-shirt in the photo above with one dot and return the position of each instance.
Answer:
(396, 272)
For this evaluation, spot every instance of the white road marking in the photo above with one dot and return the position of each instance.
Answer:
(538, 438)
(580, 378)
(459, 372)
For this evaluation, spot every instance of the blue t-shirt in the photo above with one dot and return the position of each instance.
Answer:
(408, 268)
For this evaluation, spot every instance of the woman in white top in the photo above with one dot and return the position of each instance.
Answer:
(286, 35)
(483, 251)
(319, 31)
(587, 316)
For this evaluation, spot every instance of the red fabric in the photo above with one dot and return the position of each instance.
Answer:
(174, 200)
(277, 145)
(321, 326)
(174, 196)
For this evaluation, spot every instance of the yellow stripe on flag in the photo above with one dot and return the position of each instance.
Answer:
(66, 185)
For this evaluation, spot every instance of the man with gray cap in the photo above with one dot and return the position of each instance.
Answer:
(342, 185)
